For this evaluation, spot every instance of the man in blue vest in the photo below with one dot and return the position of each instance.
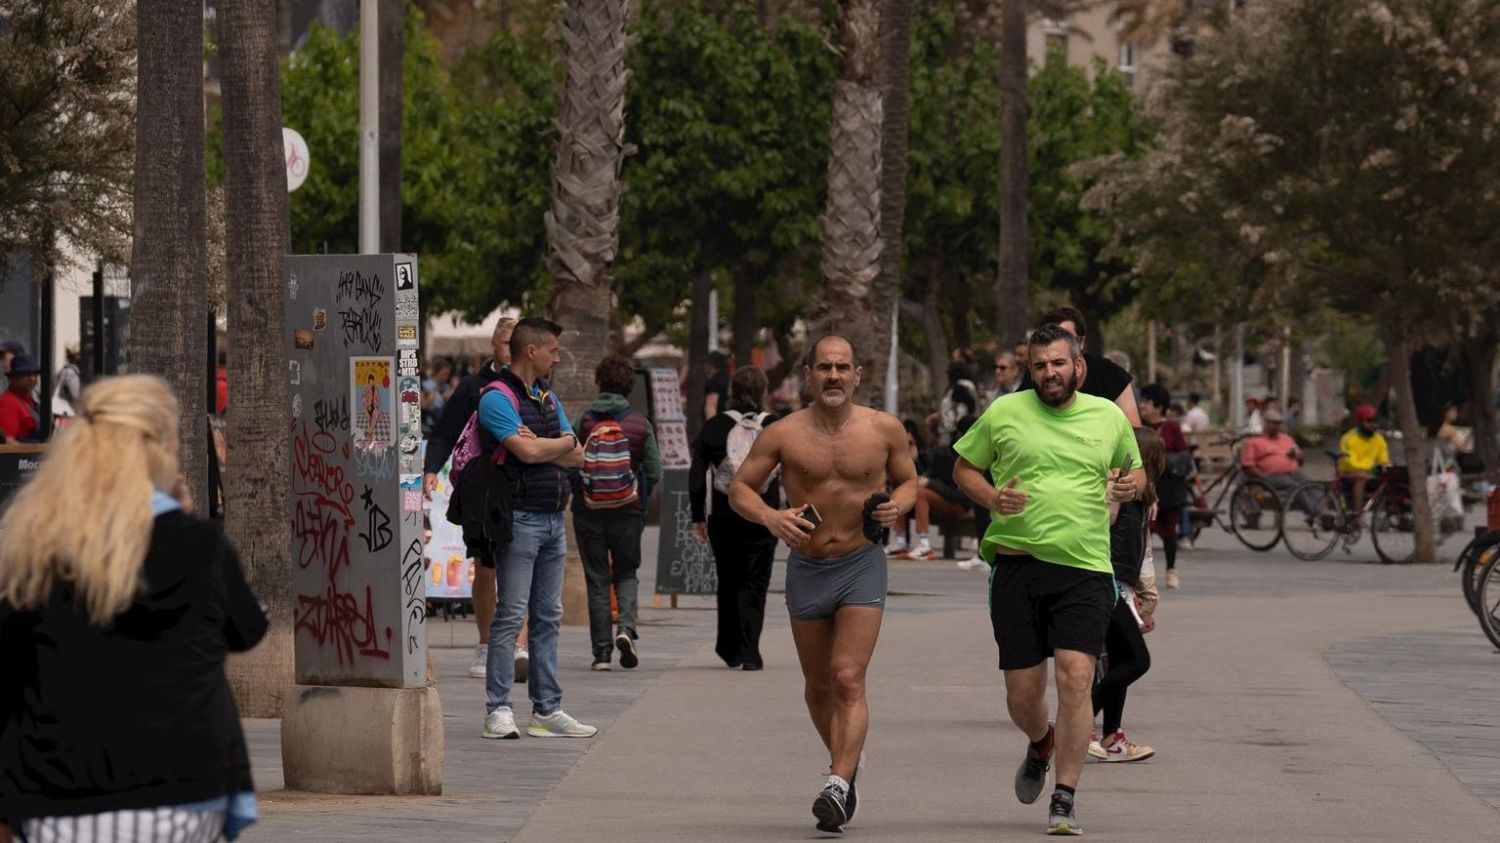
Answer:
(530, 425)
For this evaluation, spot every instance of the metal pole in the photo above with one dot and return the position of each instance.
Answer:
(1237, 383)
(369, 127)
(99, 359)
(45, 332)
(1151, 352)
(713, 321)
(1285, 393)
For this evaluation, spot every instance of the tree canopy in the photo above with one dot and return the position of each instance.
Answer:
(67, 126)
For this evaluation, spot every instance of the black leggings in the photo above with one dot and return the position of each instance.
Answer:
(1169, 542)
(1128, 661)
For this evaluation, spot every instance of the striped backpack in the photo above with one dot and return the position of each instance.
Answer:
(608, 480)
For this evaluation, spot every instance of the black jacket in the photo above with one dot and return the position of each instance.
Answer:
(461, 404)
(139, 714)
(1127, 543)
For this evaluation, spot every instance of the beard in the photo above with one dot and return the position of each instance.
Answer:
(1048, 390)
(833, 397)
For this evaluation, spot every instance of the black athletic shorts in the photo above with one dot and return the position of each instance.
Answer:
(1037, 607)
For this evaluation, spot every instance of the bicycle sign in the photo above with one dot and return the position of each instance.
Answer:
(298, 158)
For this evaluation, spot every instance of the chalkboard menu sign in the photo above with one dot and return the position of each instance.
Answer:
(17, 464)
(684, 565)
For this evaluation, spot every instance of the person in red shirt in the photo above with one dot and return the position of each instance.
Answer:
(19, 419)
(1274, 457)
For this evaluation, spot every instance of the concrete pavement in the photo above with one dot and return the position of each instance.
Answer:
(1253, 704)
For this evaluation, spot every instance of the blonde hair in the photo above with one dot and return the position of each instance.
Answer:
(84, 520)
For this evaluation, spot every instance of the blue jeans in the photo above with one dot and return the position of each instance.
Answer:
(530, 576)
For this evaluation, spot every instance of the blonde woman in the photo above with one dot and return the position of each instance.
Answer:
(116, 610)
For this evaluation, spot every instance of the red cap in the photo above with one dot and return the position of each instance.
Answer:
(1364, 412)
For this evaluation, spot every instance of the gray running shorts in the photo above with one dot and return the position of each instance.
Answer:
(816, 588)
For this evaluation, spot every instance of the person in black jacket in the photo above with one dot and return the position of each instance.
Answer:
(743, 550)
(116, 612)
(1125, 642)
(456, 412)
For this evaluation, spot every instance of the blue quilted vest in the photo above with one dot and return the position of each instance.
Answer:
(544, 487)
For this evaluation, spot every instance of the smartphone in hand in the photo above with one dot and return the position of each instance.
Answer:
(810, 514)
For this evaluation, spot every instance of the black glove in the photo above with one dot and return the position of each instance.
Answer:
(873, 528)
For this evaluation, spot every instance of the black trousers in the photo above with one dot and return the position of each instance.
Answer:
(1129, 660)
(742, 553)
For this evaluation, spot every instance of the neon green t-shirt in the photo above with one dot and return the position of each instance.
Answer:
(1062, 459)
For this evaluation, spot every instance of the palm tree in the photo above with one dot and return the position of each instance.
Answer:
(256, 238)
(169, 335)
(894, 134)
(583, 222)
(1012, 285)
(851, 220)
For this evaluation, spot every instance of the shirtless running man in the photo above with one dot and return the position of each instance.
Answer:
(837, 457)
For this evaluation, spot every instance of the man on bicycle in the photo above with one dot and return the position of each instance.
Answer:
(1362, 450)
(1274, 457)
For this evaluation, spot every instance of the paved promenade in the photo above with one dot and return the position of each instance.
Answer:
(1286, 701)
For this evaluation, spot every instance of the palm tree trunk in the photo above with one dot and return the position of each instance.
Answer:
(851, 221)
(583, 222)
(392, 25)
(894, 134)
(1011, 285)
(169, 268)
(256, 239)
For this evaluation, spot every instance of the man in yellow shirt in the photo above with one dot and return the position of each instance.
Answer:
(1363, 450)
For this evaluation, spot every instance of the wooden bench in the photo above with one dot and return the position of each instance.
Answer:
(953, 527)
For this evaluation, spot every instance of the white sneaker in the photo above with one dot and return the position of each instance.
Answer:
(973, 563)
(500, 724)
(896, 545)
(477, 667)
(558, 724)
(523, 664)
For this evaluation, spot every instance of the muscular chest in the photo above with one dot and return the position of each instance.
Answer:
(812, 462)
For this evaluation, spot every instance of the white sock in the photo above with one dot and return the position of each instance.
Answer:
(843, 785)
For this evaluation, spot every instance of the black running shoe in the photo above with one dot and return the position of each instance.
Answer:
(831, 809)
(1031, 777)
(851, 803)
(1061, 820)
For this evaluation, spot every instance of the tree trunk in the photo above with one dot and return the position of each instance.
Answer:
(256, 239)
(894, 135)
(1478, 355)
(392, 25)
(746, 319)
(937, 344)
(169, 267)
(697, 354)
(1398, 359)
(583, 222)
(851, 220)
(1012, 285)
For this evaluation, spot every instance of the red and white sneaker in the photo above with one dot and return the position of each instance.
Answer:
(924, 551)
(1117, 747)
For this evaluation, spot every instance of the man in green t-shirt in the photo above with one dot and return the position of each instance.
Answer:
(1058, 457)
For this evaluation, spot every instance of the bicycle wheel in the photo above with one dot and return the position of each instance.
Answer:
(1255, 515)
(1478, 554)
(1393, 529)
(1489, 599)
(1311, 521)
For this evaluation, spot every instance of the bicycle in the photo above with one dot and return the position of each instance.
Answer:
(1251, 502)
(1329, 520)
(1487, 599)
(1471, 561)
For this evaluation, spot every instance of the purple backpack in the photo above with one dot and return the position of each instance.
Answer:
(468, 446)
